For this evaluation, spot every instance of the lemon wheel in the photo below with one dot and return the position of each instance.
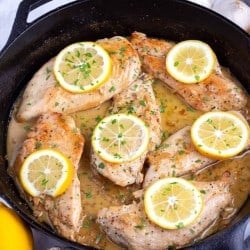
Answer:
(82, 67)
(190, 61)
(172, 203)
(46, 171)
(120, 138)
(220, 135)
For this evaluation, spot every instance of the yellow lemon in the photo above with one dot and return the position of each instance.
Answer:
(15, 235)
(46, 171)
(220, 135)
(190, 61)
(82, 67)
(172, 203)
(120, 138)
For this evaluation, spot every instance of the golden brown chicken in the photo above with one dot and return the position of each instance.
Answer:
(217, 92)
(44, 94)
(129, 226)
(138, 100)
(177, 156)
(56, 131)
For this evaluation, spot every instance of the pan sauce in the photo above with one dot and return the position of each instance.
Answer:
(98, 192)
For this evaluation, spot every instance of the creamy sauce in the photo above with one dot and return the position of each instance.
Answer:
(98, 192)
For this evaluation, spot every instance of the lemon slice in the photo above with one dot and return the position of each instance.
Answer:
(220, 135)
(82, 67)
(172, 203)
(190, 61)
(46, 171)
(120, 138)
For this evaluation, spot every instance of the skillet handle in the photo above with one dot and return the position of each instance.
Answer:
(25, 7)
(20, 23)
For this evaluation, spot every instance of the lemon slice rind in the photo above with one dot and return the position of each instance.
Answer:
(238, 122)
(178, 70)
(61, 184)
(105, 154)
(164, 184)
(82, 66)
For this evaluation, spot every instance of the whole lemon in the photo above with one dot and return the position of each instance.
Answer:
(15, 235)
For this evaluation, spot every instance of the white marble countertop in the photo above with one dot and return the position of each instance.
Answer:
(8, 12)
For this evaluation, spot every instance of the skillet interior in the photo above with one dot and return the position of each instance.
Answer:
(90, 20)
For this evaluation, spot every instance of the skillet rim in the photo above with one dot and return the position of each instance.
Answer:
(61, 9)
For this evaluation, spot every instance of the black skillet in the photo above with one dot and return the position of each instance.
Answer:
(32, 44)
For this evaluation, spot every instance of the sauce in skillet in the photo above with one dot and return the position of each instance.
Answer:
(98, 192)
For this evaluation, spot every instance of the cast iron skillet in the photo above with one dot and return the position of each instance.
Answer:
(32, 44)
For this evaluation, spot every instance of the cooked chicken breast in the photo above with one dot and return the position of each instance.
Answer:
(218, 91)
(176, 156)
(43, 93)
(129, 226)
(54, 130)
(139, 100)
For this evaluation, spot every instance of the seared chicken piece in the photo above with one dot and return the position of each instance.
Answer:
(129, 226)
(139, 100)
(56, 131)
(44, 94)
(218, 91)
(176, 156)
